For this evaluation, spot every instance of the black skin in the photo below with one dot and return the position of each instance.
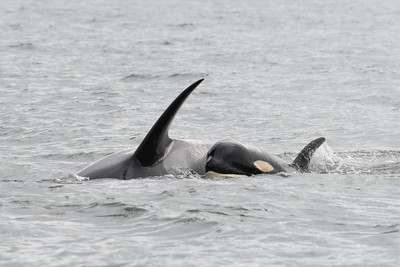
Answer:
(232, 157)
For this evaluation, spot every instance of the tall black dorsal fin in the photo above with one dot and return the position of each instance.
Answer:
(302, 161)
(153, 146)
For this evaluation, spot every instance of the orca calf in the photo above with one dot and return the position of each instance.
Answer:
(159, 155)
(232, 158)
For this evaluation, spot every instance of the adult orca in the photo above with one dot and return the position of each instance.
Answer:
(232, 158)
(157, 155)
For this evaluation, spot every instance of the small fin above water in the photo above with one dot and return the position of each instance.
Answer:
(157, 141)
(302, 161)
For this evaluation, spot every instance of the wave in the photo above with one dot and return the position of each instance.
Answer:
(144, 77)
(135, 76)
(24, 46)
(188, 75)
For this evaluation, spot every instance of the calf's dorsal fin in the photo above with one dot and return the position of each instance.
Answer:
(302, 161)
(156, 142)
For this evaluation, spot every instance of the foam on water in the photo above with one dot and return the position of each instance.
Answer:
(379, 162)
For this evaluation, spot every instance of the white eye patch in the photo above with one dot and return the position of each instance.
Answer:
(263, 166)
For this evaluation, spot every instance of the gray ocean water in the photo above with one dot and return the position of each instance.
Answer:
(82, 79)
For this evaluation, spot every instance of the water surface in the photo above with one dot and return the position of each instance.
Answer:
(82, 79)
